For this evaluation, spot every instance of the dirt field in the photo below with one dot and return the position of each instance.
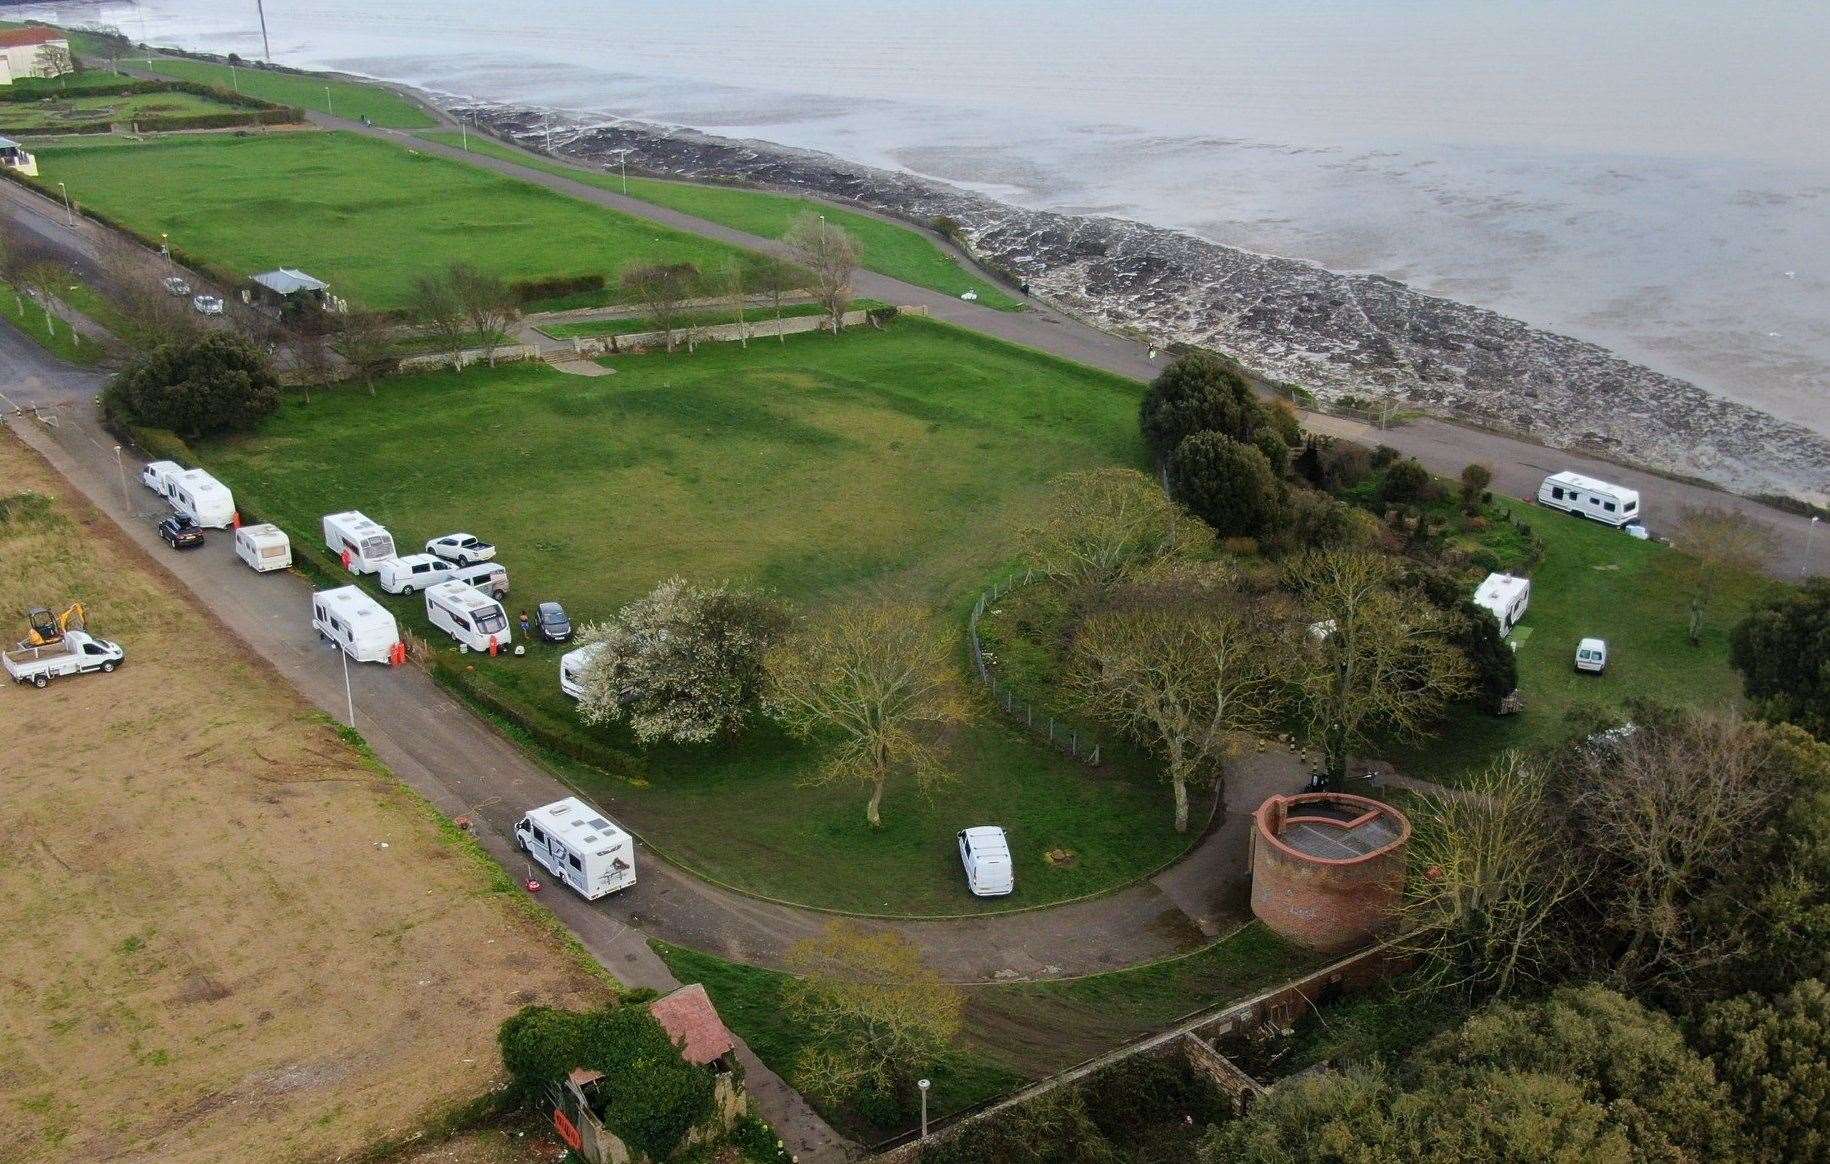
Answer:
(223, 934)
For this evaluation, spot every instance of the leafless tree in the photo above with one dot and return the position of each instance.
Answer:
(307, 334)
(1491, 876)
(1670, 808)
(732, 283)
(54, 60)
(1715, 544)
(1181, 680)
(662, 288)
(364, 341)
(487, 305)
(44, 280)
(1099, 525)
(830, 257)
(1371, 657)
(433, 303)
(778, 280)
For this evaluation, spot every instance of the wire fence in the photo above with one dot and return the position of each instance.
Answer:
(1063, 737)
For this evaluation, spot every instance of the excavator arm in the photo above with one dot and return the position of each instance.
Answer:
(44, 628)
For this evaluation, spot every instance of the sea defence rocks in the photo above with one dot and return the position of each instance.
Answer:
(1337, 337)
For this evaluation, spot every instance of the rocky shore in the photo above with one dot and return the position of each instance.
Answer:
(1345, 339)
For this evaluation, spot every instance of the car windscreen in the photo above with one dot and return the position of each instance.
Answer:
(491, 622)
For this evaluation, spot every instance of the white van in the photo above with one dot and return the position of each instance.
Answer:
(1506, 597)
(986, 855)
(156, 473)
(411, 573)
(202, 498)
(490, 577)
(264, 547)
(366, 543)
(1592, 656)
(572, 666)
(1613, 505)
(468, 615)
(578, 845)
(357, 623)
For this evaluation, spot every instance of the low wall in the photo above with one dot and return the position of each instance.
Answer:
(723, 332)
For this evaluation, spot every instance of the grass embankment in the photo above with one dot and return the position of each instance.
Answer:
(366, 216)
(885, 247)
(55, 112)
(820, 468)
(351, 99)
(1595, 581)
(56, 337)
(595, 328)
(229, 935)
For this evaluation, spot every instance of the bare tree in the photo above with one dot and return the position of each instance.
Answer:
(487, 305)
(777, 281)
(1715, 544)
(663, 289)
(830, 257)
(1491, 876)
(1372, 658)
(45, 280)
(54, 60)
(365, 342)
(1181, 680)
(307, 335)
(733, 285)
(1671, 807)
(434, 306)
(1096, 526)
(148, 315)
(877, 680)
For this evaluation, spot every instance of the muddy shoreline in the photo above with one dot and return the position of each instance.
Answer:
(1345, 339)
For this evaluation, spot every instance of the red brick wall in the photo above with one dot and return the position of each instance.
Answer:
(1328, 908)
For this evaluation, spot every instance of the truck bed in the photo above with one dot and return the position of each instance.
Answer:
(24, 656)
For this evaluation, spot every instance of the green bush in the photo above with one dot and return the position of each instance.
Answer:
(203, 385)
(554, 287)
(1052, 1129)
(1197, 393)
(1406, 482)
(1782, 649)
(758, 1142)
(162, 444)
(1227, 484)
(1136, 1096)
(1775, 1058)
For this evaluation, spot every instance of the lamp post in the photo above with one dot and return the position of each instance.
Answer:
(234, 77)
(69, 211)
(349, 695)
(121, 468)
(328, 108)
(923, 1084)
(1810, 540)
(464, 132)
(622, 166)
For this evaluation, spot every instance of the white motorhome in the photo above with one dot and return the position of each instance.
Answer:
(365, 543)
(1613, 505)
(355, 622)
(412, 573)
(572, 666)
(1506, 597)
(264, 547)
(468, 615)
(202, 498)
(578, 845)
(157, 473)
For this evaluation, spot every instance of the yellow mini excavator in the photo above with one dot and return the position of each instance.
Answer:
(45, 628)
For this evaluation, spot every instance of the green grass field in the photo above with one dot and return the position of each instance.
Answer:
(51, 115)
(819, 468)
(364, 215)
(36, 87)
(1595, 581)
(887, 248)
(351, 99)
(58, 339)
(591, 328)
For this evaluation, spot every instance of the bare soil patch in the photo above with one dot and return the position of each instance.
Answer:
(228, 936)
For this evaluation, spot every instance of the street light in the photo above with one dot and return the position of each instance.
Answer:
(327, 105)
(348, 695)
(69, 211)
(1810, 538)
(622, 165)
(121, 468)
(923, 1084)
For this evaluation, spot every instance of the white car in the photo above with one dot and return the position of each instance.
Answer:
(462, 548)
(176, 286)
(1592, 655)
(207, 304)
(986, 855)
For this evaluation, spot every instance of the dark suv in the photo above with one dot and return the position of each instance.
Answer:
(181, 532)
(555, 627)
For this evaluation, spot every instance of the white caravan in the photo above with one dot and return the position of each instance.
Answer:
(1506, 597)
(264, 547)
(202, 498)
(156, 473)
(1613, 505)
(357, 623)
(366, 543)
(488, 576)
(986, 855)
(572, 666)
(579, 846)
(468, 615)
(412, 573)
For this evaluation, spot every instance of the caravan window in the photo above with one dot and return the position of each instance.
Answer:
(492, 622)
(1556, 491)
(1630, 506)
(1609, 506)
(462, 622)
(539, 837)
(574, 862)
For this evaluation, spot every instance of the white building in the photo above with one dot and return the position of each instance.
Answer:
(33, 51)
(16, 157)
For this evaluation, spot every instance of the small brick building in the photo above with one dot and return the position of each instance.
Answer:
(1327, 868)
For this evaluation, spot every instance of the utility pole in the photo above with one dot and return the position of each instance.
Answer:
(348, 694)
(923, 1084)
(266, 48)
(120, 467)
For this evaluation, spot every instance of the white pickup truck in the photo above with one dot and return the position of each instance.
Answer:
(73, 654)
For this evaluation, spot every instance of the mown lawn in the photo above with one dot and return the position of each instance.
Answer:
(351, 99)
(58, 338)
(825, 467)
(366, 216)
(54, 113)
(749, 999)
(885, 247)
(592, 328)
(1597, 582)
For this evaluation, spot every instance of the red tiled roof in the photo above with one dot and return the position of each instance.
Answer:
(20, 37)
(689, 1018)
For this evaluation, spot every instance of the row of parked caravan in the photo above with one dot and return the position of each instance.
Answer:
(462, 583)
(199, 502)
